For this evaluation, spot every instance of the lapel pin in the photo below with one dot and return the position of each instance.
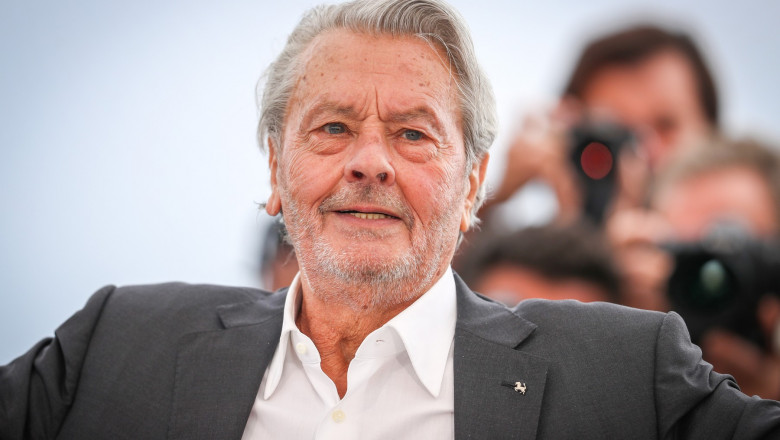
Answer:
(519, 387)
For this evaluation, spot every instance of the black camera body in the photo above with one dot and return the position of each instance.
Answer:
(595, 147)
(719, 282)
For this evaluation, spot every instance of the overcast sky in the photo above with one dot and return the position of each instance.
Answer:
(127, 128)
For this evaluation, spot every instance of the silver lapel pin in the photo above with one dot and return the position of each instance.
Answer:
(519, 387)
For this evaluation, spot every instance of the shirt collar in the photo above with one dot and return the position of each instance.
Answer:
(426, 328)
(292, 304)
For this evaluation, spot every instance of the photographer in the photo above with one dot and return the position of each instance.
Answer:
(708, 249)
(652, 81)
(643, 92)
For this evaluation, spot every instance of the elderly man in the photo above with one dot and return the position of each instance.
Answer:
(378, 121)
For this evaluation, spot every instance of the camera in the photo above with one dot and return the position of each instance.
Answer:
(719, 282)
(595, 147)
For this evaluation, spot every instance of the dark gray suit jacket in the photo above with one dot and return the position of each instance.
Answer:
(185, 362)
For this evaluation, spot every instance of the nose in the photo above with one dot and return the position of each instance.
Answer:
(369, 161)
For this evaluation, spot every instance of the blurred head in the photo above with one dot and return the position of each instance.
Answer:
(552, 262)
(722, 201)
(721, 182)
(278, 264)
(652, 80)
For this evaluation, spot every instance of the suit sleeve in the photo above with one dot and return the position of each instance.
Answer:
(695, 402)
(37, 389)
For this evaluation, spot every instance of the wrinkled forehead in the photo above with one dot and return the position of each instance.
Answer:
(347, 40)
(398, 71)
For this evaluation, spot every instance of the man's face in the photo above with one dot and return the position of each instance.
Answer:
(658, 98)
(735, 194)
(371, 174)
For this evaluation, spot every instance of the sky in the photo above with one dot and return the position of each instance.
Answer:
(127, 129)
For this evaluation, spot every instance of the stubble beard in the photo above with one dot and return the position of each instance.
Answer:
(362, 281)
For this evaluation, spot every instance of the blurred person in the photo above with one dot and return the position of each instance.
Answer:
(718, 181)
(653, 81)
(551, 262)
(721, 181)
(720, 198)
(377, 120)
(643, 90)
(278, 264)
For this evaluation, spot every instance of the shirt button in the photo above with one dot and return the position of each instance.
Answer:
(301, 348)
(338, 416)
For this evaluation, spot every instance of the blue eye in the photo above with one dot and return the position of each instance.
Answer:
(335, 128)
(412, 135)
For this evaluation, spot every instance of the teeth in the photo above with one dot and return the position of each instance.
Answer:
(367, 216)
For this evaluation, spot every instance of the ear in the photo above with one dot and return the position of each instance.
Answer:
(475, 180)
(274, 204)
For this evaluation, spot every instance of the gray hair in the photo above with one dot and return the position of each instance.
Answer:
(431, 20)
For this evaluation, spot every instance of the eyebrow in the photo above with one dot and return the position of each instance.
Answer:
(329, 107)
(333, 108)
(418, 113)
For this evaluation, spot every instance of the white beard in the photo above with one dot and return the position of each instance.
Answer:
(362, 281)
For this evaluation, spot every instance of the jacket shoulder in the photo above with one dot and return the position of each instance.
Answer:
(593, 339)
(181, 306)
(183, 295)
(583, 318)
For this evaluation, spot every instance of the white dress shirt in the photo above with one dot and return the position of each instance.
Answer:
(399, 385)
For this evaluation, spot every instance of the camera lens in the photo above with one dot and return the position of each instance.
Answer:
(596, 160)
(704, 284)
(713, 279)
(595, 148)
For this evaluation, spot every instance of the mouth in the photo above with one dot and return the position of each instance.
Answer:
(369, 215)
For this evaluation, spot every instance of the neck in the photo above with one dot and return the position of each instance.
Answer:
(337, 328)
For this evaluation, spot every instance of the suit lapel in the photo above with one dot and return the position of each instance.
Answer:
(487, 364)
(218, 373)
